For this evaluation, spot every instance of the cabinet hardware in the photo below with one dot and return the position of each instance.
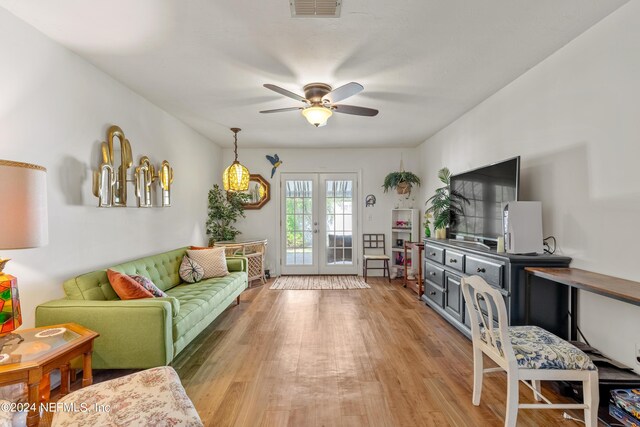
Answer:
(432, 273)
(453, 260)
(432, 254)
(481, 270)
(432, 293)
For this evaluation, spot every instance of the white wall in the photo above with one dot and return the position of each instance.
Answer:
(374, 164)
(575, 120)
(55, 109)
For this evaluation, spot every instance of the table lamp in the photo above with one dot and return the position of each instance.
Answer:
(23, 224)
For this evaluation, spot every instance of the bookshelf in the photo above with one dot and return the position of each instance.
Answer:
(405, 226)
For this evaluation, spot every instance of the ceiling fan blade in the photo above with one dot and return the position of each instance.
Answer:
(284, 92)
(343, 92)
(279, 110)
(352, 109)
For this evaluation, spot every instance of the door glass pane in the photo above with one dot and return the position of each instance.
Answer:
(299, 222)
(339, 235)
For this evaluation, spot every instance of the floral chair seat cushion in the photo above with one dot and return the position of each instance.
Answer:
(154, 397)
(536, 348)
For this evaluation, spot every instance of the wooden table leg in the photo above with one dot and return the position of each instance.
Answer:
(74, 375)
(33, 417)
(87, 373)
(64, 380)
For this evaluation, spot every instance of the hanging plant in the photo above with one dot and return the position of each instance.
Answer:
(402, 182)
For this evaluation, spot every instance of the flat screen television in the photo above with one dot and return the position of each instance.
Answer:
(486, 188)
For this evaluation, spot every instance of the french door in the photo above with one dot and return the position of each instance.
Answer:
(319, 223)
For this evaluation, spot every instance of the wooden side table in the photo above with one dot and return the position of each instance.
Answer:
(415, 285)
(41, 351)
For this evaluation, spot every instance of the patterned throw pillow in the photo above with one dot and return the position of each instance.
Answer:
(148, 285)
(213, 261)
(126, 287)
(190, 271)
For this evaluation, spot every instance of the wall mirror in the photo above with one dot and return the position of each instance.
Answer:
(259, 192)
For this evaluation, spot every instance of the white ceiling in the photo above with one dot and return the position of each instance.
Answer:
(423, 63)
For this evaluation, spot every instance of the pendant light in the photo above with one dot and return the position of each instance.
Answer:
(236, 176)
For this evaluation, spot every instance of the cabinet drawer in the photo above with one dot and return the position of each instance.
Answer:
(434, 253)
(489, 271)
(454, 260)
(433, 273)
(434, 293)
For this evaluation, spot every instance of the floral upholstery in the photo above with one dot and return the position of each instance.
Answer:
(536, 348)
(154, 397)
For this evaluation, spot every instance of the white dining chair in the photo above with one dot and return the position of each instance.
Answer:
(526, 353)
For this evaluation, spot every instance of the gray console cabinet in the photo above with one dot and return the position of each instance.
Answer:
(447, 261)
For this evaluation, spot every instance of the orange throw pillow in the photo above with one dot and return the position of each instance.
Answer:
(126, 287)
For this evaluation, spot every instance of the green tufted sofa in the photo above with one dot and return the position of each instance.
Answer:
(146, 332)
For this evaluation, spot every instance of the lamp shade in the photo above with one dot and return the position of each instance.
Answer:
(236, 177)
(23, 205)
(317, 115)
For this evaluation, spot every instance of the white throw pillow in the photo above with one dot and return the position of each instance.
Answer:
(213, 261)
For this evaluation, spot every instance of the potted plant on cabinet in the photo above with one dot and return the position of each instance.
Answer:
(402, 182)
(446, 205)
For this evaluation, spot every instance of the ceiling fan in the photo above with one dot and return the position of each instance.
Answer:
(320, 100)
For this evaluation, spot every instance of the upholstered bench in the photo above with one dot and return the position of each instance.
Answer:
(154, 397)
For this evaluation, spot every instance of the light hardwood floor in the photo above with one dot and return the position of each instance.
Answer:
(368, 357)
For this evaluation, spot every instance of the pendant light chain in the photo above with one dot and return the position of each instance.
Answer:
(235, 143)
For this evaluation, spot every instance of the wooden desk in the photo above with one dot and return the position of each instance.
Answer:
(34, 357)
(417, 286)
(575, 278)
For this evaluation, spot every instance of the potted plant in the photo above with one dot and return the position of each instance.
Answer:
(225, 208)
(446, 205)
(402, 181)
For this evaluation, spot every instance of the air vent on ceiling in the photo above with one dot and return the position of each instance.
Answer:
(315, 8)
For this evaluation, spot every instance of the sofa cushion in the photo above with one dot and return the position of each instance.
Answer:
(161, 269)
(198, 299)
(146, 283)
(126, 287)
(190, 271)
(213, 261)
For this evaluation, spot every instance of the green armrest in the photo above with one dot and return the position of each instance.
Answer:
(142, 327)
(237, 263)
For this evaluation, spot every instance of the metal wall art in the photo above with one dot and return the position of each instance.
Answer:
(111, 178)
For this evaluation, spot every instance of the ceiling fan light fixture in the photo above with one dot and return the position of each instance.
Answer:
(317, 115)
(235, 176)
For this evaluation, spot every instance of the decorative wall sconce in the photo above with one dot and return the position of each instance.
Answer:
(144, 175)
(165, 179)
(111, 178)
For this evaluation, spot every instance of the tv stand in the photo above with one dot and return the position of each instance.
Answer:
(446, 262)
